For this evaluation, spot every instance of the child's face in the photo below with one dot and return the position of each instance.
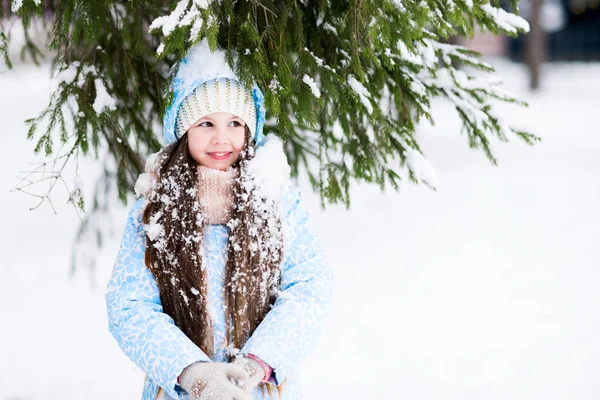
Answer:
(215, 140)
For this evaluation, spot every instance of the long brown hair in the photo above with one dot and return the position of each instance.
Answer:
(174, 252)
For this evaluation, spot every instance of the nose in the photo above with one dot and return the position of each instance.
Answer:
(219, 135)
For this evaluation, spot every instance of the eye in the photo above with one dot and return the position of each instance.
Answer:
(236, 122)
(205, 122)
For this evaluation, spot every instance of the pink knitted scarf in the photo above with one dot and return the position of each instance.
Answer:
(215, 194)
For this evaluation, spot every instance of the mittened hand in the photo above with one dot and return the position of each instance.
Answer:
(254, 370)
(214, 381)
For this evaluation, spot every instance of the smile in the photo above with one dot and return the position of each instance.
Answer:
(220, 155)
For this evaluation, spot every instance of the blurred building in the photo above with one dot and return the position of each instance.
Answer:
(572, 30)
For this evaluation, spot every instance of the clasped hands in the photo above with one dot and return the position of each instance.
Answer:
(222, 381)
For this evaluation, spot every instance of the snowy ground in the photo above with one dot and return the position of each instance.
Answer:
(485, 289)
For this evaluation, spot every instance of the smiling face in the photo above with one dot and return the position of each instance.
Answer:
(216, 140)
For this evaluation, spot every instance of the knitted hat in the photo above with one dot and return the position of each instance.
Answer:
(217, 95)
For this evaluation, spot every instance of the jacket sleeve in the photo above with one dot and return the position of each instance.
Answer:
(293, 325)
(148, 336)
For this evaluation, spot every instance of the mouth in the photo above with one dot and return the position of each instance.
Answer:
(220, 155)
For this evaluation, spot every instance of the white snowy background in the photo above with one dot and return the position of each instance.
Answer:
(485, 289)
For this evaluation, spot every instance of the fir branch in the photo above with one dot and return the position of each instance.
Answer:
(345, 83)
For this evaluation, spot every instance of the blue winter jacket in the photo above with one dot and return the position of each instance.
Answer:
(290, 329)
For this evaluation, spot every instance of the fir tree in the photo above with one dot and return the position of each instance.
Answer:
(345, 82)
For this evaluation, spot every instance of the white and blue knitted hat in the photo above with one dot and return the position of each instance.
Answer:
(201, 66)
(218, 95)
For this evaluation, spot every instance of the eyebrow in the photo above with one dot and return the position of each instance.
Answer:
(207, 117)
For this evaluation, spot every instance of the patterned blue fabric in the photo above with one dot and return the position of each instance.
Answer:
(283, 339)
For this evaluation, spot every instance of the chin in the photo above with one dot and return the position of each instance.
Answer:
(222, 165)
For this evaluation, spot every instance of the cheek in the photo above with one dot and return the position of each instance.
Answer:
(238, 140)
(197, 143)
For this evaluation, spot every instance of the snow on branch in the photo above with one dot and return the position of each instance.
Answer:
(508, 22)
(17, 4)
(182, 16)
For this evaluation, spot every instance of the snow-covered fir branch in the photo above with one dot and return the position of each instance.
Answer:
(187, 13)
(344, 86)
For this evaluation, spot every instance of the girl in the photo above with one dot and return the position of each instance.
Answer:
(220, 288)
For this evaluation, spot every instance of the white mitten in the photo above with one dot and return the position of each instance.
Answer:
(253, 368)
(214, 381)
